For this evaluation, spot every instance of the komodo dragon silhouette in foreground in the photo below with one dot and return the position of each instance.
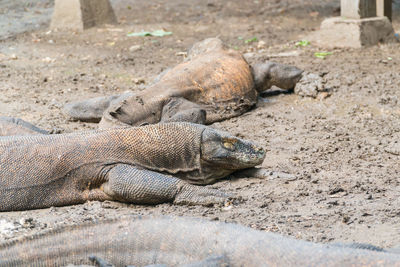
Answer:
(214, 84)
(146, 165)
(179, 242)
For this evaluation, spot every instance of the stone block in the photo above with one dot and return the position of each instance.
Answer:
(384, 8)
(81, 14)
(356, 33)
(358, 9)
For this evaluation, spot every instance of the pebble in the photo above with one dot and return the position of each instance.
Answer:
(134, 48)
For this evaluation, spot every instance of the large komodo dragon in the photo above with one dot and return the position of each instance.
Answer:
(145, 164)
(214, 84)
(180, 242)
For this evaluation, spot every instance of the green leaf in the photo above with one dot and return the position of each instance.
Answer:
(322, 55)
(302, 43)
(254, 39)
(158, 33)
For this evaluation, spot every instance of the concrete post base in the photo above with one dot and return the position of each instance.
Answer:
(356, 33)
(81, 14)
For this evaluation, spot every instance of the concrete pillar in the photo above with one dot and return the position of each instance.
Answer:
(362, 23)
(358, 9)
(384, 8)
(81, 14)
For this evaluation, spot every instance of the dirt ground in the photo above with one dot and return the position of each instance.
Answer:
(343, 149)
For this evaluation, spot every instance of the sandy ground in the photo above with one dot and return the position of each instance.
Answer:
(343, 149)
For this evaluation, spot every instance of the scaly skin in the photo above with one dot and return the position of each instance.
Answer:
(177, 242)
(214, 84)
(145, 165)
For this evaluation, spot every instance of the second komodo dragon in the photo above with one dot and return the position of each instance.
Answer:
(215, 83)
(181, 242)
(146, 165)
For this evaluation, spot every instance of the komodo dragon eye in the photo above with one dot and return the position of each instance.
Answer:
(229, 145)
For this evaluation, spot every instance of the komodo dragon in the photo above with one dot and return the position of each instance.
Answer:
(128, 164)
(179, 242)
(214, 84)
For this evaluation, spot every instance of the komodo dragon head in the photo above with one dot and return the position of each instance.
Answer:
(229, 152)
(223, 154)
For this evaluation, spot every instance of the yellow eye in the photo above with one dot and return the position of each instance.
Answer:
(229, 146)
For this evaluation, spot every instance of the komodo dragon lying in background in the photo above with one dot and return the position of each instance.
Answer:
(128, 164)
(179, 242)
(214, 84)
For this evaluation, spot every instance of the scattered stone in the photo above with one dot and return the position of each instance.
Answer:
(27, 223)
(138, 80)
(335, 190)
(311, 84)
(135, 48)
(183, 54)
(323, 95)
(261, 45)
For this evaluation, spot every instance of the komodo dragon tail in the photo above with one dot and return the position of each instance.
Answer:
(177, 242)
(13, 126)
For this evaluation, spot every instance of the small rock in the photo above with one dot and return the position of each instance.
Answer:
(27, 222)
(323, 95)
(138, 80)
(261, 45)
(183, 54)
(309, 85)
(134, 48)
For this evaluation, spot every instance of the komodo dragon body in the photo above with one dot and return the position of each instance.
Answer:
(131, 164)
(214, 84)
(179, 242)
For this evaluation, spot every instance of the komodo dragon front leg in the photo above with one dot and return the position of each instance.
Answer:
(132, 185)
